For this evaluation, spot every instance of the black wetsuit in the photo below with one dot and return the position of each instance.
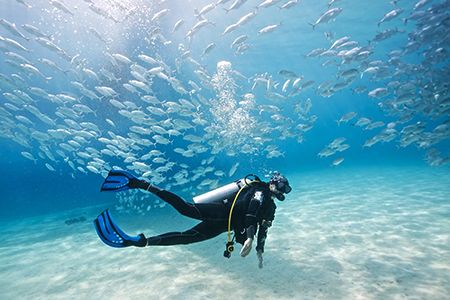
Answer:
(254, 209)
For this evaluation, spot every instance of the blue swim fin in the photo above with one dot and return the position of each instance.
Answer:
(113, 236)
(117, 180)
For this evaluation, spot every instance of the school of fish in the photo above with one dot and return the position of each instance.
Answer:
(65, 108)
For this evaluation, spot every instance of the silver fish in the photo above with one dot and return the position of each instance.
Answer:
(11, 27)
(177, 25)
(61, 6)
(390, 15)
(327, 16)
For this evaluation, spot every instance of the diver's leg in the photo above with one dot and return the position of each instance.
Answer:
(203, 231)
(185, 208)
(213, 212)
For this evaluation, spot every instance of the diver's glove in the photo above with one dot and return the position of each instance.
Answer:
(259, 254)
(266, 223)
(247, 247)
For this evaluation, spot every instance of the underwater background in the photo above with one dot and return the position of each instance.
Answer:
(348, 99)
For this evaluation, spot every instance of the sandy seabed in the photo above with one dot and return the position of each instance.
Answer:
(380, 233)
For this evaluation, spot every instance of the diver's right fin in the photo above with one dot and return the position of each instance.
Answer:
(117, 180)
(113, 236)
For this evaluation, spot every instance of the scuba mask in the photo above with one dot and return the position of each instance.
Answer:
(281, 184)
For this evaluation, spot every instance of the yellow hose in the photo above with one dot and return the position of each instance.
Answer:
(232, 207)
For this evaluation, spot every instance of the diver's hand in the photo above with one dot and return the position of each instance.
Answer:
(247, 247)
(259, 253)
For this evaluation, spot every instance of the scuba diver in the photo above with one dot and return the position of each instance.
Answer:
(245, 206)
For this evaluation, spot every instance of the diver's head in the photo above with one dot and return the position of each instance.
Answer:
(279, 185)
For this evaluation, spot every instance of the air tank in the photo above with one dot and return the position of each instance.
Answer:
(222, 194)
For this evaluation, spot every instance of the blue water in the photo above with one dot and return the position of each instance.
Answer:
(32, 193)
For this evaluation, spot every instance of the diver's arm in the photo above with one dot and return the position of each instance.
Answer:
(251, 222)
(252, 211)
(266, 223)
(262, 235)
(261, 240)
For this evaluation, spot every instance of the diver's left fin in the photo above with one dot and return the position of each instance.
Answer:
(113, 236)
